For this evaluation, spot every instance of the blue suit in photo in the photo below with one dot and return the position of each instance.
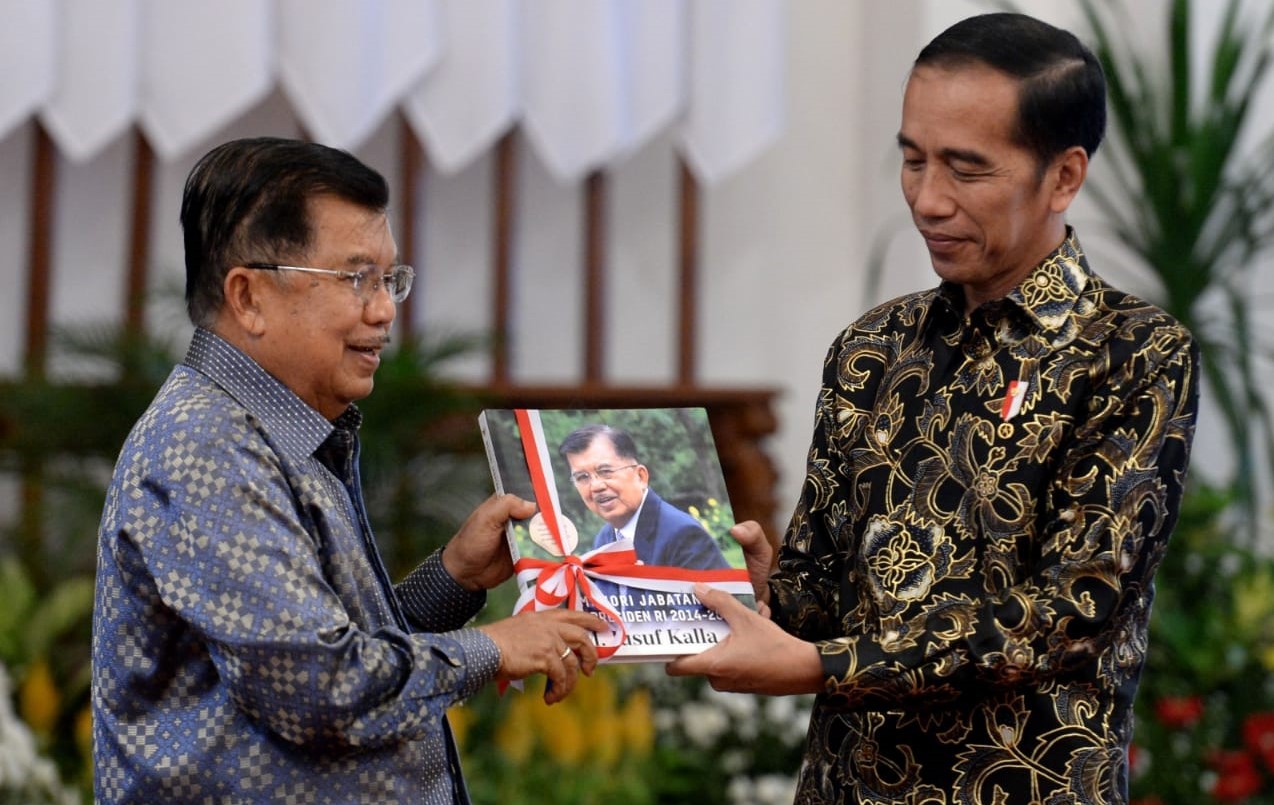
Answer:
(666, 535)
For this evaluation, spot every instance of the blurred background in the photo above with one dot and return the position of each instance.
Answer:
(609, 203)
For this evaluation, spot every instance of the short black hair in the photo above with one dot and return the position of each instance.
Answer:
(578, 440)
(248, 200)
(1062, 100)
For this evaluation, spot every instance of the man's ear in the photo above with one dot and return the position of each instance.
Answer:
(243, 300)
(1066, 177)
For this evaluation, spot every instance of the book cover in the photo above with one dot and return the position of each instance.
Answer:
(633, 510)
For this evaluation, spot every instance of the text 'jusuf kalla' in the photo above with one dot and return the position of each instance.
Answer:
(673, 637)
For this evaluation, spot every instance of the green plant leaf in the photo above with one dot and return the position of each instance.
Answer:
(1184, 194)
(19, 598)
(67, 606)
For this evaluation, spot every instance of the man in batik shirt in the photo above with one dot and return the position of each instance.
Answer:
(995, 469)
(248, 645)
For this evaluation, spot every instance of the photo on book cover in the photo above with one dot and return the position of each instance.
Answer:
(633, 510)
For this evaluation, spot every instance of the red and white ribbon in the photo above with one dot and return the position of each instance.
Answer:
(547, 584)
(1013, 399)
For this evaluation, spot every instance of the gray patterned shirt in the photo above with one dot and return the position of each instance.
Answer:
(247, 643)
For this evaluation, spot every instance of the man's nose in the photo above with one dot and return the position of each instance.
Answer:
(931, 195)
(380, 308)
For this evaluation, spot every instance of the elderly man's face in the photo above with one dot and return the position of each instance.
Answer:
(615, 498)
(322, 341)
(976, 195)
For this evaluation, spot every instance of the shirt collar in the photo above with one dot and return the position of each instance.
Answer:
(629, 529)
(297, 427)
(1047, 295)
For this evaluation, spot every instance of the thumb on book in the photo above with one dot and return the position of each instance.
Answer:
(719, 601)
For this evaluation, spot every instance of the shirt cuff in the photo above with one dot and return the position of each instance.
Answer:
(436, 602)
(481, 660)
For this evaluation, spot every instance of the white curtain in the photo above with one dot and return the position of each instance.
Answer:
(94, 99)
(736, 107)
(202, 64)
(471, 96)
(601, 77)
(28, 64)
(347, 67)
(589, 81)
(654, 47)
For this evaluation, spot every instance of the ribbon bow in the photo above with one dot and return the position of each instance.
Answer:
(567, 581)
(547, 584)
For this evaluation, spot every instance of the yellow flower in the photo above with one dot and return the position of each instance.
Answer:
(1254, 602)
(587, 728)
(38, 699)
(563, 733)
(637, 725)
(595, 695)
(84, 731)
(597, 714)
(84, 739)
(460, 718)
(1267, 658)
(515, 737)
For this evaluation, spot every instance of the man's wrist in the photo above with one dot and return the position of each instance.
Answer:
(455, 573)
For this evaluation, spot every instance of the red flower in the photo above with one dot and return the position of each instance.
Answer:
(1237, 778)
(1258, 735)
(1179, 712)
(1138, 761)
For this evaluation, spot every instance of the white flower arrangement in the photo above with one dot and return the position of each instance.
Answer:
(754, 741)
(25, 776)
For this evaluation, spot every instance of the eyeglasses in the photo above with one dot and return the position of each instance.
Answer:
(397, 280)
(602, 473)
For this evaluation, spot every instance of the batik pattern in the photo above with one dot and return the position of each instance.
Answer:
(979, 580)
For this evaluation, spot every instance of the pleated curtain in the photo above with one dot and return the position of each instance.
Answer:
(587, 81)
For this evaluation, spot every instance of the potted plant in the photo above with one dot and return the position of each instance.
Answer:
(1184, 189)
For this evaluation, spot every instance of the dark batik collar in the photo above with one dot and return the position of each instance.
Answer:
(1047, 296)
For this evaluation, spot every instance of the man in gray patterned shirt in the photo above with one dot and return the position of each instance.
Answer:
(248, 645)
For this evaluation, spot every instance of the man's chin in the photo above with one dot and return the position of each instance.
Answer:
(949, 270)
(359, 391)
(608, 513)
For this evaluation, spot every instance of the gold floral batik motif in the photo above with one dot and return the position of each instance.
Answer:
(978, 575)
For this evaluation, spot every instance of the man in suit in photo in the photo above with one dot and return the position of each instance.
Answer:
(614, 485)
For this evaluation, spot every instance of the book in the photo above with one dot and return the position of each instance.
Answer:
(632, 511)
